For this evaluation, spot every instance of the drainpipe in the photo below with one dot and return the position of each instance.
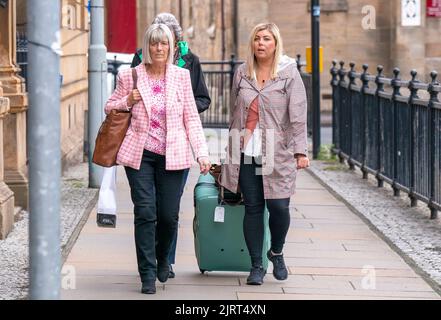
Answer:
(97, 84)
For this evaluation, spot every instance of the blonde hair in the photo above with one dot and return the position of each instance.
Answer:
(156, 33)
(251, 58)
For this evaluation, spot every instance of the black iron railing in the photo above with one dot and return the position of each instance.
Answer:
(113, 66)
(22, 54)
(393, 135)
(218, 78)
(307, 81)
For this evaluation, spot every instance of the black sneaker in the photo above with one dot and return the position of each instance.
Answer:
(279, 271)
(163, 272)
(171, 275)
(106, 220)
(256, 276)
(148, 287)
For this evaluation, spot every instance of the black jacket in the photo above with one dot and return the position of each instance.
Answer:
(198, 85)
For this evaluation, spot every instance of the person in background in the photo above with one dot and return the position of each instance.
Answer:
(269, 111)
(183, 58)
(165, 128)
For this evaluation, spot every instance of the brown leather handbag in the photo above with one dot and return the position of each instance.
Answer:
(112, 133)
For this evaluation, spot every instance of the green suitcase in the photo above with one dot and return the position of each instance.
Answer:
(220, 246)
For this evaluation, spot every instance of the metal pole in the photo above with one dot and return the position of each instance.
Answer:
(315, 24)
(44, 149)
(97, 84)
(236, 27)
(223, 31)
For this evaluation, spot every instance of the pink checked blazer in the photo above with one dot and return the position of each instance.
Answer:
(184, 128)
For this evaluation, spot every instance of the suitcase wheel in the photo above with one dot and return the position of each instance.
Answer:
(202, 271)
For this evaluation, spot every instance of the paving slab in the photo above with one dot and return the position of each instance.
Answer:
(327, 249)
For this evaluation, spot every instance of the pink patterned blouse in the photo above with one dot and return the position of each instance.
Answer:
(156, 139)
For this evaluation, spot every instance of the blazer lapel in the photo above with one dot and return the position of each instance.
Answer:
(143, 88)
(170, 84)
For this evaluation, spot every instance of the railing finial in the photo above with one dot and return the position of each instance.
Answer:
(299, 62)
(352, 65)
(432, 92)
(434, 75)
(413, 73)
(380, 69)
(334, 72)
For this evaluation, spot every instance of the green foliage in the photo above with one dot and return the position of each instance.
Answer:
(325, 154)
(75, 183)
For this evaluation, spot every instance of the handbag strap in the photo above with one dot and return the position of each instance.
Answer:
(135, 78)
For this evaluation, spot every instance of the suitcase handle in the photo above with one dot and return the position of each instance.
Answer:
(216, 172)
(222, 200)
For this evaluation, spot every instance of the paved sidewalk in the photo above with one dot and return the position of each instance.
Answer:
(330, 251)
(76, 202)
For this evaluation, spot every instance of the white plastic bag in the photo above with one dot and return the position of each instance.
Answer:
(106, 211)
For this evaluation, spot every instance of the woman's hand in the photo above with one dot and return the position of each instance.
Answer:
(302, 161)
(134, 97)
(205, 165)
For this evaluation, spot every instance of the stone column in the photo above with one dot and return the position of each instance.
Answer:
(14, 126)
(6, 195)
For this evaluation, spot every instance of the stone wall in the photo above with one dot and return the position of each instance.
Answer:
(6, 195)
(73, 69)
(201, 21)
(74, 92)
(342, 34)
(14, 123)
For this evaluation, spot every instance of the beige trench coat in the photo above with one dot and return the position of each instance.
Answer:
(282, 120)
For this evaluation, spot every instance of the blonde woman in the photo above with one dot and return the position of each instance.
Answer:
(165, 127)
(269, 110)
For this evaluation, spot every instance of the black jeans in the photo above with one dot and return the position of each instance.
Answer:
(251, 185)
(156, 194)
(172, 255)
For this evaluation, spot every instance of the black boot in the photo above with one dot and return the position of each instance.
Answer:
(148, 287)
(163, 272)
(256, 276)
(279, 271)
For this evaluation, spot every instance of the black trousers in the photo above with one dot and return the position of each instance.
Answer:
(251, 185)
(156, 194)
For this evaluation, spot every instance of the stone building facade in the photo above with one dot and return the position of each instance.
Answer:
(13, 170)
(343, 36)
(14, 102)
(208, 31)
